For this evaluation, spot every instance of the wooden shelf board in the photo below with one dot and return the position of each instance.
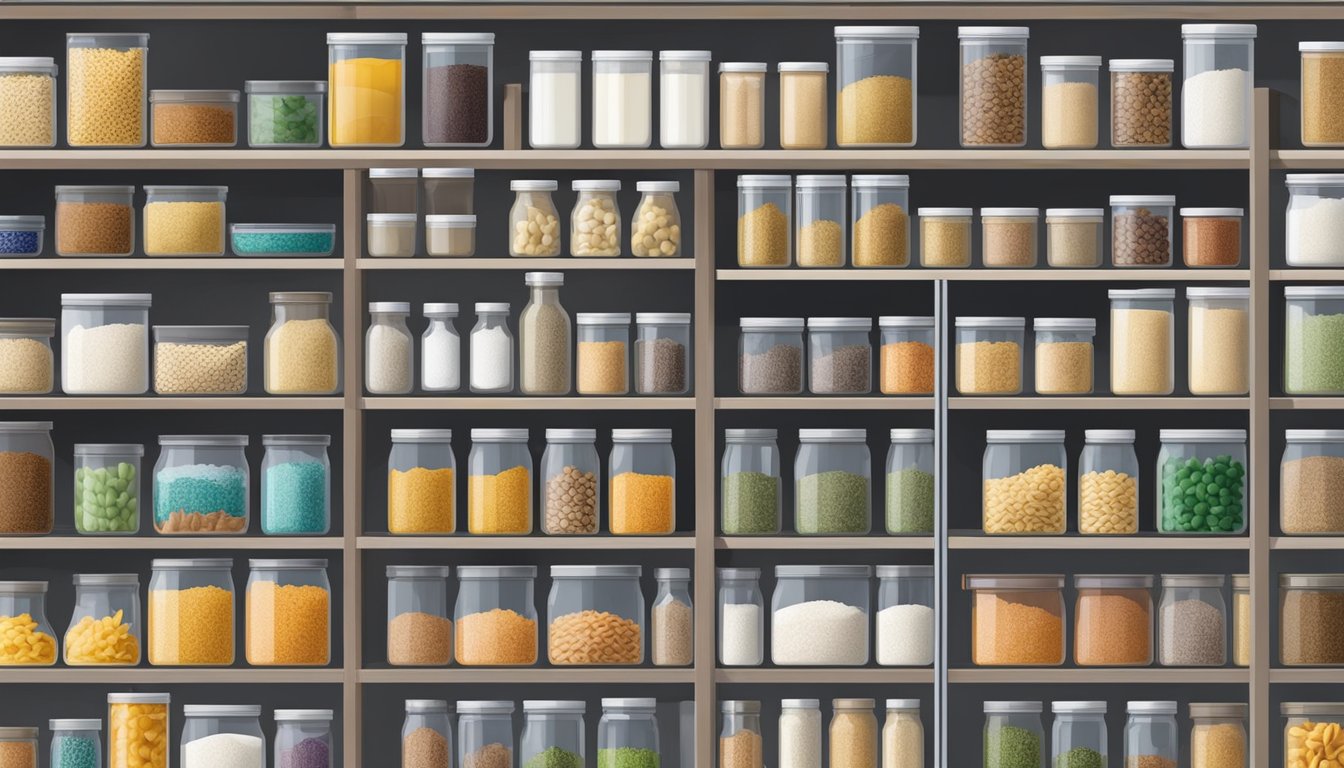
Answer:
(824, 403)
(171, 675)
(967, 540)
(1306, 159)
(995, 275)
(826, 675)
(154, 542)
(812, 543)
(1306, 275)
(152, 403)
(538, 674)
(1093, 675)
(490, 403)
(1323, 675)
(520, 264)
(63, 263)
(1307, 542)
(534, 542)
(1032, 403)
(1306, 403)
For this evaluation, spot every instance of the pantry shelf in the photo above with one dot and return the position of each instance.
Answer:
(171, 675)
(823, 403)
(1026, 275)
(1306, 159)
(1309, 675)
(1090, 675)
(579, 543)
(172, 543)
(1324, 543)
(1306, 275)
(826, 675)
(255, 403)
(521, 264)
(64, 263)
(1306, 403)
(486, 403)
(527, 675)
(1098, 403)
(813, 543)
(966, 540)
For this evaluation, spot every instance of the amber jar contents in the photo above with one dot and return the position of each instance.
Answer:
(1212, 239)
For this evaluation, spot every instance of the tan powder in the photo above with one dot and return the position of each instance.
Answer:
(1141, 354)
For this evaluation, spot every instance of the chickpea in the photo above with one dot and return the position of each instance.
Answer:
(596, 229)
(657, 232)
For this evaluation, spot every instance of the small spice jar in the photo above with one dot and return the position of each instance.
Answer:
(742, 104)
(25, 343)
(193, 118)
(663, 353)
(421, 482)
(419, 625)
(553, 733)
(427, 732)
(389, 352)
(440, 350)
(458, 97)
(367, 76)
(534, 222)
(491, 349)
(1192, 621)
(1014, 735)
(191, 612)
(741, 618)
(1151, 736)
(495, 616)
(945, 237)
(1069, 101)
(643, 475)
(554, 100)
(499, 482)
(877, 84)
(672, 619)
(1016, 619)
(22, 235)
(750, 501)
(1078, 736)
(1113, 621)
(303, 349)
(1210, 462)
(201, 485)
(1312, 336)
(1211, 237)
(833, 471)
(449, 191)
(1315, 220)
(1322, 79)
(604, 353)
(840, 357)
(138, 729)
(107, 487)
(285, 113)
(1024, 485)
(989, 355)
(1064, 353)
(655, 229)
(623, 99)
(1309, 604)
(1073, 237)
(1008, 237)
(239, 725)
(764, 213)
(1143, 341)
(74, 742)
(770, 356)
(595, 222)
(683, 92)
(853, 733)
(27, 498)
(95, 220)
(303, 738)
(1218, 78)
(572, 472)
(903, 735)
(905, 616)
(484, 733)
(880, 229)
(910, 482)
(595, 615)
(740, 740)
(1141, 103)
(905, 364)
(30, 640)
(1141, 230)
(288, 613)
(450, 235)
(105, 343)
(993, 88)
(1241, 618)
(799, 733)
(803, 111)
(1310, 478)
(819, 228)
(390, 235)
(105, 626)
(1219, 345)
(812, 600)
(544, 338)
(1311, 730)
(28, 98)
(628, 732)
(296, 485)
(1218, 736)
(394, 190)
(1108, 483)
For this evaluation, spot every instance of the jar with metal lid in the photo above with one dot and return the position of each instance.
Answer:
(1320, 93)
(191, 614)
(105, 626)
(389, 352)
(1218, 79)
(1073, 237)
(819, 228)
(1024, 481)
(812, 601)
(393, 190)
(1108, 483)
(903, 735)
(880, 220)
(622, 99)
(993, 89)
(296, 485)
(27, 498)
(742, 104)
(458, 98)
(945, 237)
(21, 235)
(840, 355)
(643, 472)
(200, 359)
(595, 615)
(449, 191)
(1192, 626)
(440, 350)
(770, 356)
(571, 471)
(905, 615)
(751, 486)
(367, 76)
(499, 477)
(1309, 604)
(105, 76)
(910, 482)
(534, 222)
(603, 353)
(390, 235)
(989, 355)
(1008, 237)
(485, 733)
(105, 343)
(1016, 619)
(544, 338)
(1219, 345)
(764, 216)
(740, 739)
(491, 349)
(1078, 736)
(1069, 101)
(799, 733)
(303, 348)
(1202, 485)
(877, 86)
(1315, 214)
(184, 220)
(905, 364)
(663, 353)
(75, 742)
(628, 732)
(1211, 237)
(209, 730)
(1141, 230)
(421, 482)
(1241, 619)
(201, 485)
(553, 733)
(672, 619)
(419, 624)
(803, 113)
(741, 617)
(303, 738)
(285, 113)
(1151, 736)
(1014, 735)
(1311, 731)
(1064, 355)
(288, 613)
(1141, 103)
(833, 472)
(655, 229)
(28, 99)
(555, 98)
(95, 220)
(1113, 620)
(30, 640)
(427, 733)
(683, 99)
(1218, 737)
(1143, 341)
(1310, 477)
(595, 222)
(495, 616)
(139, 730)
(193, 118)
(853, 733)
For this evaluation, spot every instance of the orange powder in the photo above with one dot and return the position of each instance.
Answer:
(907, 368)
(1008, 632)
(288, 624)
(420, 501)
(500, 503)
(496, 637)
(642, 504)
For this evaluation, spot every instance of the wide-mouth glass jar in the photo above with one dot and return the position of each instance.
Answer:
(303, 349)
(1143, 341)
(105, 81)
(906, 358)
(993, 86)
(191, 614)
(485, 733)
(95, 220)
(184, 220)
(367, 77)
(495, 616)
(595, 221)
(1218, 77)
(1202, 481)
(1313, 338)
(73, 742)
(21, 235)
(643, 472)
(201, 485)
(904, 615)
(877, 85)
(1141, 103)
(628, 730)
(105, 343)
(764, 216)
(622, 99)
(1078, 736)
(741, 617)
(534, 221)
(1308, 604)
(819, 227)
(1315, 216)
(288, 613)
(105, 626)
(1008, 237)
(1211, 237)
(1069, 101)
(138, 729)
(458, 96)
(27, 495)
(1219, 346)
(833, 477)
(1151, 736)
(25, 344)
(1321, 83)
(389, 350)
(663, 353)
(1013, 729)
(1311, 482)
(655, 229)
(285, 113)
(209, 730)
(740, 739)
(419, 623)
(30, 640)
(499, 482)
(770, 356)
(683, 99)
(28, 85)
(595, 615)
(1218, 737)
(1311, 730)
(553, 733)
(1073, 237)
(803, 117)
(945, 237)
(303, 735)
(440, 349)
(193, 118)
(200, 359)
(1141, 230)
(1064, 355)
(840, 355)
(603, 357)
(571, 472)
(880, 213)
(1016, 619)
(1113, 621)
(555, 96)
(910, 482)
(421, 482)
(427, 730)
(491, 354)
(742, 104)
(672, 619)
(751, 486)
(812, 599)
(1192, 621)
(1024, 473)
(296, 485)
(1108, 483)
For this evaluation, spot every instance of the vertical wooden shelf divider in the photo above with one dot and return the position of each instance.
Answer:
(1258, 565)
(352, 464)
(705, 470)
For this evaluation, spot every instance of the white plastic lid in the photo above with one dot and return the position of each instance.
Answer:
(555, 55)
(212, 441)
(470, 572)
(302, 715)
(571, 435)
(25, 426)
(533, 185)
(658, 186)
(622, 55)
(450, 220)
(1314, 179)
(1008, 323)
(1196, 212)
(544, 278)
(94, 189)
(1011, 707)
(1024, 436)
(434, 38)
(963, 32)
(764, 181)
(1141, 293)
(905, 321)
(1078, 707)
(1081, 324)
(286, 564)
(419, 571)
(1210, 580)
(193, 563)
(596, 185)
(441, 309)
(1313, 435)
(483, 307)
(843, 32)
(448, 173)
(139, 698)
(641, 435)
(881, 180)
(743, 66)
(685, 55)
(106, 580)
(1143, 65)
(1313, 291)
(596, 571)
(23, 587)
(1070, 62)
(840, 323)
(750, 434)
(505, 434)
(426, 705)
(1110, 436)
(109, 449)
(106, 299)
(485, 707)
(771, 323)
(1219, 709)
(625, 703)
(833, 435)
(944, 211)
(1074, 213)
(1010, 211)
(911, 435)
(28, 62)
(804, 66)
(1311, 580)
(422, 435)
(800, 703)
(1217, 30)
(394, 173)
(1307, 47)
(294, 87)
(296, 439)
(1151, 707)
(1218, 292)
(602, 318)
(554, 705)
(390, 218)
(1130, 200)
(1113, 581)
(221, 710)
(29, 326)
(401, 307)
(23, 222)
(1202, 435)
(75, 724)
(821, 181)
(191, 95)
(373, 38)
(662, 318)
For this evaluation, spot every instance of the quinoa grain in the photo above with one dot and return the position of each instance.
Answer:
(882, 237)
(416, 638)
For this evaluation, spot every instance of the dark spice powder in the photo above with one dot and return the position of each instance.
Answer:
(25, 492)
(457, 104)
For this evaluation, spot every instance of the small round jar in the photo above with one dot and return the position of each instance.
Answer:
(27, 496)
(1073, 237)
(741, 617)
(1241, 619)
(1218, 736)
(1064, 355)
(1143, 341)
(1306, 732)
(1069, 101)
(800, 733)
(105, 343)
(819, 228)
(390, 235)
(1016, 619)
(499, 477)
(440, 350)
(993, 89)
(803, 116)
(421, 482)
(492, 358)
(288, 613)
(1219, 346)
(1202, 481)
(1013, 733)
(553, 733)
(683, 99)
(672, 619)
(303, 738)
(905, 615)
(30, 640)
(1211, 237)
(603, 357)
(571, 473)
(22, 235)
(740, 740)
(1311, 482)
(233, 729)
(495, 616)
(1151, 735)
(534, 222)
(1192, 621)
(191, 612)
(655, 229)
(906, 356)
(877, 86)
(663, 353)
(1310, 603)
(1024, 481)
(742, 104)
(107, 487)
(303, 348)
(28, 85)
(285, 113)
(1218, 80)
(545, 337)
(643, 472)
(622, 99)
(833, 472)
(105, 626)
(989, 355)
(880, 225)
(1314, 220)
(296, 485)
(184, 220)
(458, 98)
(1141, 103)
(903, 735)
(1141, 230)
(595, 615)
(853, 733)
(628, 732)
(201, 485)
(751, 488)
(1008, 237)
(427, 729)
(1108, 483)
(484, 733)
(139, 728)
(840, 356)
(764, 216)
(75, 743)
(95, 220)
(595, 222)
(367, 75)
(193, 118)
(25, 345)
(810, 601)
(1113, 621)
(389, 351)
(945, 237)
(554, 99)
(770, 356)
(1078, 736)
(910, 482)
(419, 623)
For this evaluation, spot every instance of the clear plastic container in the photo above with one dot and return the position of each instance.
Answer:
(595, 222)
(993, 87)
(27, 496)
(211, 730)
(21, 235)
(1241, 618)
(1311, 730)
(751, 486)
(73, 742)
(495, 616)
(1309, 604)
(303, 349)
(880, 226)
(812, 601)
(304, 735)
(622, 99)
(422, 482)
(643, 473)
(1218, 738)
(105, 627)
(853, 733)
(139, 730)
(491, 350)
(770, 356)
(1143, 341)
(1141, 230)
(499, 477)
(25, 345)
(296, 485)
(910, 482)
(367, 77)
(1008, 237)
(741, 617)
(764, 216)
(105, 75)
(282, 240)
(905, 615)
(201, 485)
(1073, 237)
(945, 237)
(1151, 736)
(800, 733)
(193, 118)
(191, 612)
(1313, 339)
(1219, 347)
(1314, 219)
(29, 639)
(458, 96)
(877, 86)
(1069, 101)
(105, 343)
(742, 104)
(906, 358)
(95, 220)
(453, 235)
(427, 733)
(553, 733)
(1192, 621)
(1219, 76)
(1016, 619)
(1311, 482)
(655, 229)
(803, 104)
(833, 472)
(1108, 483)
(571, 473)
(989, 355)
(393, 190)
(288, 613)
(628, 731)
(449, 191)
(389, 350)
(595, 615)
(485, 733)
(1202, 481)
(1141, 103)
(672, 619)
(1321, 87)
(819, 228)
(184, 220)
(419, 623)
(390, 235)
(683, 102)
(28, 101)
(1211, 237)
(285, 113)
(1113, 619)
(603, 353)
(440, 350)
(555, 99)
(740, 739)
(1024, 481)
(1014, 734)
(1078, 736)
(534, 222)
(1064, 355)
(840, 356)
(903, 735)
(663, 353)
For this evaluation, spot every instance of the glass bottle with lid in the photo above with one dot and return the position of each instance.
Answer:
(853, 735)
(683, 99)
(544, 337)
(1192, 621)
(1219, 348)
(107, 488)
(1309, 473)
(840, 356)
(1143, 341)
(553, 733)
(534, 222)
(1069, 101)
(1308, 604)
(303, 738)
(485, 733)
(389, 352)
(910, 482)
(905, 615)
(427, 730)
(833, 476)
(1218, 737)
(628, 732)
(595, 222)
(906, 357)
(603, 353)
(571, 471)
(1141, 103)
(799, 733)
(555, 96)
(303, 349)
(751, 486)
(989, 355)
(440, 350)
(491, 349)
(1108, 483)
(1310, 338)
(191, 612)
(421, 482)
(30, 640)
(1079, 733)
(877, 83)
(419, 624)
(28, 490)
(1014, 734)
(495, 615)
(655, 230)
(741, 617)
(104, 343)
(903, 735)
(672, 619)
(74, 742)
(1064, 355)
(740, 739)
(1151, 736)
(209, 730)
(105, 626)
(499, 477)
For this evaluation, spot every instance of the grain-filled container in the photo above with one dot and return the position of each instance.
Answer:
(1141, 103)
(303, 349)
(191, 612)
(751, 486)
(105, 343)
(458, 94)
(595, 221)
(1311, 482)
(906, 360)
(663, 353)
(282, 240)
(1014, 735)
(25, 346)
(296, 485)
(419, 623)
(107, 487)
(595, 615)
(1143, 341)
(672, 619)
(880, 211)
(1192, 621)
(545, 338)
(29, 639)
(139, 730)
(200, 359)
(21, 235)
(903, 735)
(449, 191)
(853, 733)
(193, 118)
(27, 498)
(201, 485)
(1219, 345)
(1069, 101)
(390, 235)
(877, 86)
(450, 235)
(1202, 485)
(491, 353)
(1315, 220)
(393, 190)
(210, 731)
(184, 220)
(819, 231)
(803, 112)
(1024, 474)
(484, 733)
(770, 356)
(555, 98)
(28, 101)
(800, 733)
(303, 734)
(764, 216)
(1064, 355)
(440, 349)
(1241, 619)
(1141, 230)
(741, 618)
(833, 475)
(499, 482)
(288, 613)
(993, 86)
(655, 229)
(1322, 89)
(534, 222)
(603, 353)
(628, 732)
(74, 742)
(1218, 737)
(95, 220)
(1211, 237)
(840, 357)
(1151, 735)
(905, 615)
(622, 99)
(945, 237)
(421, 482)
(553, 733)
(367, 77)
(643, 473)
(989, 355)
(1016, 619)
(910, 482)
(816, 601)
(1108, 483)
(495, 616)
(1314, 339)
(105, 76)
(742, 104)
(1078, 736)
(427, 731)
(740, 739)
(1073, 237)
(1008, 237)
(571, 473)
(1113, 620)
(683, 99)
(1309, 605)
(1218, 74)
(285, 113)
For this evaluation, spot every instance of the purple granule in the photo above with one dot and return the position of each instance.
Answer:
(309, 753)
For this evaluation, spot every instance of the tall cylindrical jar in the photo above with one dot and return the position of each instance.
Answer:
(491, 368)
(833, 476)
(1079, 733)
(28, 90)
(1024, 474)
(1143, 341)
(740, 739)
(1108, 483)
(419, 622)
(905, 615)
(880, 213)
(440, 350)
(1151, 736)
(799, 733)
(191, 612)
(106, 75)
(458, 97)
(105, 626)
(655, 229)
(209, 730)
(1192, 621)
(1219, 346)
(877, 86)
(74, 742)
(27, 491)
(803, 122)
(672, 619)
(1218, 78)
(427, 734)
(1321, 95)
(993, 87)
(105, 343)
(742, 104)
(1141, 103)
(555, 100)
(289, 613)
(910, 482)
(741, 617)
(544, 337)
(1069, 101)
(389, 352)
(819, 227)
(1014, 735)
(663, 353)
(499, 482)
(367, 78)
(903, 735)
(303, 738)
(603, 353)
(139, 728)
(751, 488)
(643, 472)
(989, 355)
(683, 99)
(553, 733)
(853, 733)
(30, 640)
(628, 732)
(571, 472)
(303, 349)
(1218, 736)
(484, 733)
(622, 99)
(764, 216)
(421, 482)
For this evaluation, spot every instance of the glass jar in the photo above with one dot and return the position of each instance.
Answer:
(1218, 738)
(201, 485)
(833, 471)
(812, 601)
(571, 470)
(595, 222)
(672, 619)
(555, 96)
(770, 356)
(390, 235)
(458, 98)
(1108, 483)
(296, 485)
(627, 734)
(288, 613)
(544, 338)
(840, 356)
(595, 615)
(1203, 481)
(184, 220)
(1315, 214)
(209, 730)
(495, 616)
(1219, 75)
(427, 734)
(1069, 101)
(95, 220)
(1016, 619)
(139, 730)
(853, 733)
(389, 352)
(881, 220)
(491, 349)
(1073, 237)
(553, 733)
(419, 624)
(73, 743)
(751, 486)
(1079, 733)
(905, 364)
(499, 482)
(27, 498)
(1310, 477)
(910, 482)
(905, 616)
(764, 213)
(29, 639)
(393, 190)
(193, 118)
(1219, 348)
(285, 113)
(663, 353)
(903, 735)
(740, 740)
(643, 472)
(105, 343)
(1241, 617)
(105, 77)
(1008, 237)
(989, 354)
(1141, 103)
(421, 482)
(1014, 735)
(1143, 341)
(945, 237)
(200, 359)
(799, 733)
(449, 191)
(28, 97)
(603, 353)
(191, 612)
(803, 113)
(993, 88)
(1151, 736)
(1311, 731)
(1064, 355)
(21, 235)
(440, 350)
(485, 733)
(655, 229)
(877, 82)
(105, 623)
(1024, 482)
(683, 101)
(741, 617)
(368, 89)
(1211, 237)
(622, 99)
(1321, 85)
(303, 349)
(1192, 626)
(742, 104)
(1141, 230)
(25, 344)
(819, 228)
(303, 738)
(1313, 339)
(534, 222)
(1113, 619)
(1308, 604)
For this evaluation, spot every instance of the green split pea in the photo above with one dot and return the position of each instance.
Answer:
(106, 499)
(1202, 496)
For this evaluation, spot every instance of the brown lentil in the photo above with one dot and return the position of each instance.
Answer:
(1312, 626)
(1311, 496)
(416, 638)
(106, 104)
(1211, 241)
(1009, 242)
(594, 637)
(1063, 368)
(1140, 238)
(906, 368)
(945, 242)
(425, 748)
(181, 369)
(994, 100)
(27, 117)
(25, 492)
(571, 501)
(1322, 98)
(881, 237)
(763, 237)
(741, 750)
(989, 368)
(93, 229)
(1008, 632)
(602, 368)
(878, 109)
(1113, 628)
(820, 244)
(175, 124)
(672, 635)
(1140, 109)
(496, 637)
(494, 755)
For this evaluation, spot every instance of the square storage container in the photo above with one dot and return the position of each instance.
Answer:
(1219, 346)
(1211, 237)
(207, 728)
(764, 216)
(1141, 103)
(1311, 482)
(819, 229)
(282, 240)
(27, 499)
(810, 601)
(840, 356)
(285, 113)
(1073, 237)
(1108, 483)
(22, 235)
(1025, 485)
(390, 235)
(449, 191)
(1064, 355)
(440, 349)
(1219, 77)
(191, 612)
(989, 355)
(622, 99)
(833, 475)
(945, 237)
(1202, 481)
(881, 220)
(393, 190)
(1151, 734)
(367, 78)
(200, 359)
(683, 99)
(906, 365)
(27, 101)
(450, 235)
(422, 482)
(458, 97)
(742, 104)
(1309, 604)
(1322, 93)
(1143, 341)
(1008, 237)
(595, 616)
(555, 99)
(770, 356)
(803, 99)
(184, 221)
(1016, 619)
(546, 338)
(1313, 339)
(201, 485)
(1141, 227)
(419, 623)
(95, 221)
(993, 86)
(105, 343)
(1314, 233)
(25, 347)
(553, 731)
(1069, 101)
(193, 118)
(1113, 619)
(905, 616)
(491, 354)
(877, 82)
(105, 76)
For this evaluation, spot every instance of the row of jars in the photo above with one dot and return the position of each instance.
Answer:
(820, 616)
(839, 355)
(422, 482)
(854, 737)
(190, 617)
(595, 616)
